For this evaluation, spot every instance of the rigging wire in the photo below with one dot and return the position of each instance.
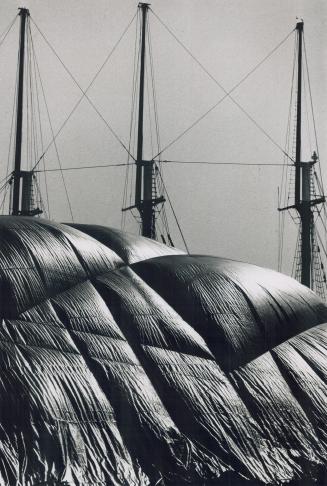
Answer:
(39, 120)
(227, 93)
(84, 92)
(307, 123)
(13, 122)
(7, 30)
(5, 181)
(154, 94)
(39, 193)
(321, 243)
(319, 180)
(100, 166)
(132, 115)
(55, 144)
(153, 129)
(5, 188)
(285, 173)
(82, 167)
(259, 164)
(173, 211)
(12, 125)
(312, 111)
(318, 276)
(161, 213)
(148, 103)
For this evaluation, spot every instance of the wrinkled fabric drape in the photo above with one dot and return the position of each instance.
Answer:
(125, 362)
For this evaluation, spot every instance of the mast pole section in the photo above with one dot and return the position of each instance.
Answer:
(24, 13)
(139, 158)
(304, 199)
(306, 225)
(302, 171)
(299, 28)
(144, 168)
(145, 185)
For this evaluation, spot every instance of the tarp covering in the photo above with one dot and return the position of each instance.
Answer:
(125, 362)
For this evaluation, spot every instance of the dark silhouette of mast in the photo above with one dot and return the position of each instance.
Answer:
(23, 181)
(303, 202)
(145, 195)
(139, 159)
(299, 28)
(145, 206)
(303, 205)
(24, 13)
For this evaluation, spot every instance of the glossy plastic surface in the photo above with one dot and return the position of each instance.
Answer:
(124, 362)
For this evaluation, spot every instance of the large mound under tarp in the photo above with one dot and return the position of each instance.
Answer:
(125, 362)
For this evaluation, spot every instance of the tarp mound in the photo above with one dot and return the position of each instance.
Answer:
(125, 362)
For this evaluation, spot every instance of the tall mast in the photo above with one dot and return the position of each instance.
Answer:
(302, 169)
(303, 202)
(24, 13)
(145, 205)
(145, 200)
(299, 28)
(139, 158)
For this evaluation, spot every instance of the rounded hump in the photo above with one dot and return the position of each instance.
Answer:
(126, 362)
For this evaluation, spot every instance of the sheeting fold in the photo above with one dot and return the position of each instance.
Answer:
(125, 362)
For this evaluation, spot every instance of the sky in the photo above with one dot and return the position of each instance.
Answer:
(228, 211)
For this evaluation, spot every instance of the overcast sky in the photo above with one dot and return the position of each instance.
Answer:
(228, 211)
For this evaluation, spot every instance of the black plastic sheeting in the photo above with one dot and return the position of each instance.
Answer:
(125, 362)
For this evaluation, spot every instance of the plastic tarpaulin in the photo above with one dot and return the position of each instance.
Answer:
(125, 362)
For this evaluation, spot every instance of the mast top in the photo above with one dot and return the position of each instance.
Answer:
(23, 11)
(144, 5)
(299, 25)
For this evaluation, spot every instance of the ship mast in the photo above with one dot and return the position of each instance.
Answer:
(138, 187)
(23, 194)
(303, 201)
(299, 28)
(145, 197)
(24, 13)
(145, 205)
(303, 174)
(302, 169)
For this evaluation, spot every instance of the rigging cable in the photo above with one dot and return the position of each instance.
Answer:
(132, 115)
(307, 115)
(162, 211)
(84, 92)
(227, 93)
(39, 119)
(5, 188)
(319, 180)
(154, 95)
(261, 164)
(5, 181)
(322, 244)
(13, 122)
(83, 167)
(173, 211)
(285, 173)
(312, 111)
(55, 144)
(7, 30)
(100, 166)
